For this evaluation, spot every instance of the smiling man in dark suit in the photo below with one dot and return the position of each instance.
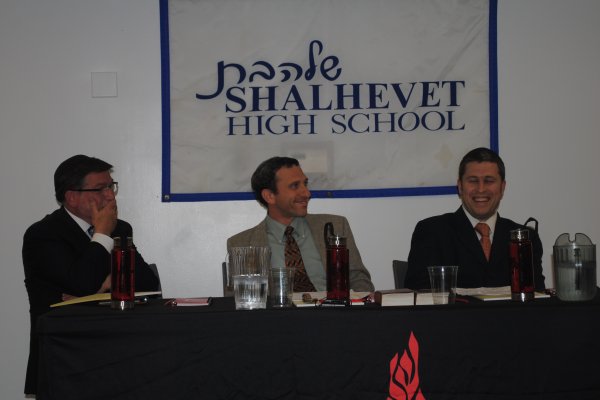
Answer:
(455, 238)
(67, 253)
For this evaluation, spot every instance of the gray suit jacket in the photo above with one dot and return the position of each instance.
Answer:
(360, 279)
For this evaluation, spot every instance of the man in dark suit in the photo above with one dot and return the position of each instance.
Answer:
(68, 253)
(454, 238)
(279, 185)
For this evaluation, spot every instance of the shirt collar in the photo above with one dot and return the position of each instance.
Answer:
(82, 224)
(491, 221)
(277, 229)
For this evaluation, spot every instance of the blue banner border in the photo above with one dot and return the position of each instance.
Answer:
(167, 196)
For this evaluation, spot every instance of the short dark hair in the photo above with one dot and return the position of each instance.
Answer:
(264, 176)
(71, 173)
(481, 154)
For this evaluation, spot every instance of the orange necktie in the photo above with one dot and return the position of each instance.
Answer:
(486, 244)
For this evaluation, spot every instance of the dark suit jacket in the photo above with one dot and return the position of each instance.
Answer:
(450, 239)
(58, 258)
(360, 279)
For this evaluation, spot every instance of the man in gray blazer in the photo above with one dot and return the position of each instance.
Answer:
(282, 188)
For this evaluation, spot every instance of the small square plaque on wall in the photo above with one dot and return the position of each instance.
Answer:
(104, 84)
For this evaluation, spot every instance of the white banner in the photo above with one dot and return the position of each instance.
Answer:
(373, 97)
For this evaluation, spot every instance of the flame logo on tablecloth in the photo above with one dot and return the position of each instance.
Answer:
(404, 373)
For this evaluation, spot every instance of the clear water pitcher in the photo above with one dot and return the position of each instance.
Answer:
(575, 267)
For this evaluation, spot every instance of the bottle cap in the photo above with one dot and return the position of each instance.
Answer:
(336, 241)
(519, 234)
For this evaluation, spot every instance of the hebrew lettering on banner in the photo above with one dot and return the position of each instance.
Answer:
(373, 97)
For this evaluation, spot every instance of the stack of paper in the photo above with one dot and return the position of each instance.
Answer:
(310, 299)
(189, 301)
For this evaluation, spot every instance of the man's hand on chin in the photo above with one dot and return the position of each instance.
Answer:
(104, 219)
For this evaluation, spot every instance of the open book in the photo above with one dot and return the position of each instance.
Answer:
(408, 297)
(492, 293)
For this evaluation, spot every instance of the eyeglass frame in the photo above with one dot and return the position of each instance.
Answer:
(113, 187)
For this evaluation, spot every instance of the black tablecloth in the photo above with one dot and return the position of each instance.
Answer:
(543, 350)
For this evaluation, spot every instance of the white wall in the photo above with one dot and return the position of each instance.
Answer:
(549, 60)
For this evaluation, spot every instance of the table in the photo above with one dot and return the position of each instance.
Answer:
(546, 350)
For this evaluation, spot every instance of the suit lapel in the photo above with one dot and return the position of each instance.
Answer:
(259, 235)
(316, 224)
(467, 236)
(70, 230)
(501, 232)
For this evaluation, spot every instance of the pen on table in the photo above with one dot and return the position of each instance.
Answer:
(367, 299)
(138, 300)
(361, 300)
(171, 302)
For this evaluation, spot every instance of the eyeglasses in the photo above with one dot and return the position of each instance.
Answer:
(113, 187)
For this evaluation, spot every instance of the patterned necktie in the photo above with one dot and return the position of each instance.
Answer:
(90, 231)
(484, 231)
(293, 259)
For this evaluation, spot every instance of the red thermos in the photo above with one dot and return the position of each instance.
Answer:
(338, 268)
(521, 265)
(122, 288)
